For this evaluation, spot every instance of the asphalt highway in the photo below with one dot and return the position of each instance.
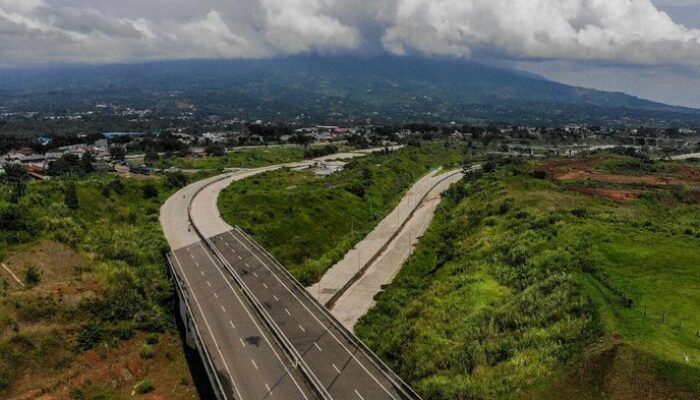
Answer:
(249, 364)
(345, 371)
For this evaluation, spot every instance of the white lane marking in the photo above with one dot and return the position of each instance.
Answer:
(239, 257)
(288, 313)
(223, 309)
(232, 325)
(317, 346)
(267, 387)
(265, 286)
(208, 283)
(313, 315)
(254, 364)
(201, 272)
(242, 342)
(359, 395)
(216, 296)
(246, 265)
(196, 263)
(226, 243)
(267, 340)
(336, 369)
(275, 297)
(211, 333)
(302, 328)
(256, 275)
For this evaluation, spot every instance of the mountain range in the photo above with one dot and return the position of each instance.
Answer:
(338, 89)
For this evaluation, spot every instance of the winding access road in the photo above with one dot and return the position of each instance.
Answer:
(265, 336)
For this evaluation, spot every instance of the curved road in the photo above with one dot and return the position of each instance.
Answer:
(266, 336)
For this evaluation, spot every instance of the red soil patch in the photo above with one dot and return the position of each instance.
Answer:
(649, 180)
(617, 195)
(117, 370)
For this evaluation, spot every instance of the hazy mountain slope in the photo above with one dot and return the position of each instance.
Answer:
(330, 88)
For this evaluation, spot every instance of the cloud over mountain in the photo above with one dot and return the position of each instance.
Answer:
(636, 31)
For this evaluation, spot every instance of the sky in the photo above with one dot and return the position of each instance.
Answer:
(649, 48)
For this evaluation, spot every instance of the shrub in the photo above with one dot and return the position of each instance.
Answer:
(32, 276)
(149, 191)
(579, 212)
(153, 338)
(71, 197)
(90, 336)
(4, 381)
(145, 386)
(489, 167)
(146, 351)
(118, 187)
(539, 174)
(175, 180)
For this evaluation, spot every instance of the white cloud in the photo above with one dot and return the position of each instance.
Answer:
(628, 30)
(105, 30)
(300, 25)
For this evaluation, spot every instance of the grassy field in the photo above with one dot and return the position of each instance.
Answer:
(523, 288)
(93, 292)
(246, 158)
(310, 222)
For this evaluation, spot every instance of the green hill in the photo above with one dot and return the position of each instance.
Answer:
(524, 288)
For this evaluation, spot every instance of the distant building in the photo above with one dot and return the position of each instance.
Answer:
(114, 135)
(24, 155)
(44, 140)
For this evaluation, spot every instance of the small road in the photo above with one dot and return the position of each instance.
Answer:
(384, 251)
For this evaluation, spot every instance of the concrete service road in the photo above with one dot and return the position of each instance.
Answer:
(249, 365)
(345, 370)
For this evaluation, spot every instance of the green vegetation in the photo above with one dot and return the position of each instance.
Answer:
(146, 351)
(239, 159)
(144, 387)
(111, 244)
(32, 276)
(308, 223)
(524, 289)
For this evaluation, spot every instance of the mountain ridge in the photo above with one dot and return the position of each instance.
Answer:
(385, 88)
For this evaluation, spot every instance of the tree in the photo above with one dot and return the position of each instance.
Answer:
(151, 157)
(17, 177)
(215, 150)
(67, 164)
(88, 162)
(175, 180)
(117, 153)
(71, 196)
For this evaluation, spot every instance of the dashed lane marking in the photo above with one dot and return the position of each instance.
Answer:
(336, 369)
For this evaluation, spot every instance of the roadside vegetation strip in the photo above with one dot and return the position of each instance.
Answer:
(520, 289)
(310, 222)
(248, 158)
